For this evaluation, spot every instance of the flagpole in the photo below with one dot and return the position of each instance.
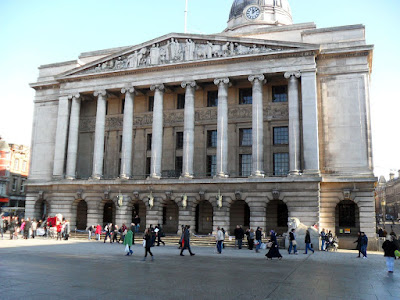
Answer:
(186, 11)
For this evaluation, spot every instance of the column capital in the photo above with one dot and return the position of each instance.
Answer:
(259, 77)
(100, 93)
(296, 74)
(219, 81)
(76, 96)
(185, 84)
(159, 87)
(130, 90)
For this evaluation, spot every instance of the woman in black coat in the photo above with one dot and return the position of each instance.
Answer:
(358, 241)
(148, 238)
(389, 247)
(274, 250)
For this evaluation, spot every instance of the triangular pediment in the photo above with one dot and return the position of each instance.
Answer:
(177, 48)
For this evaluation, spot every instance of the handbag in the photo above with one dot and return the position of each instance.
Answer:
(397, 253)
(144, 243)
(269, 245)
(126, 248)
(294, 243)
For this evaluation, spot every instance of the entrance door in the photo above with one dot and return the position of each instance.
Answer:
(239, 215)
(277, 217)
(139, 209)
(81, 215)
(170, 217)
(109, 213)
(204, 218)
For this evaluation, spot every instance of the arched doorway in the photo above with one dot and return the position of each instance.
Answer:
(109, 212)
(239, 215)
(347, 219)
(139, 209)
(204, 218)
(81, 215)
(170, 219)
(277, 217)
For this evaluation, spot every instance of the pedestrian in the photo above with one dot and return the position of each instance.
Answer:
(115, 234)
(364, 245)
(223, 231)
(307, 240)
(2, 226)
(323, 237)
(186, 241)
(160, 234)
(59, 231)
(98, 232)
(147, 238)
(136, 220)
(251, 239)
(274, 249)
(292, 242)
(124, 231)
(22, 228)
(389, 248)
(90, 230)
(34, 228)
(27, 228)
(259, 239)
(67, 230)
(181, 238)
(380, 232)
(239, 235)
(358, 241)
(219, 239)
(107, 229)
(128, 241)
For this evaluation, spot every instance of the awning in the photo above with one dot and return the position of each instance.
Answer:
(4, 200)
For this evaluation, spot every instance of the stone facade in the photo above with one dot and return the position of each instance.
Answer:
(250, 127)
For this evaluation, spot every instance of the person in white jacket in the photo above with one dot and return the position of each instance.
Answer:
(220, 239)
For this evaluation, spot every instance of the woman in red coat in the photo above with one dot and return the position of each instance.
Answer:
(59, 229)
(98, 232)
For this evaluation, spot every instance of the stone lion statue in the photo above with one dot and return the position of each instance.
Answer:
(294, 223)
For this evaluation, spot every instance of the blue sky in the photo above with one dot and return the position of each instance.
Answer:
(36, 32)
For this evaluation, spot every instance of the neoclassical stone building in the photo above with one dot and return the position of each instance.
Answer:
(265, 120)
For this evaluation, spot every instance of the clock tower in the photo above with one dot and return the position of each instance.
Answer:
(250, 15)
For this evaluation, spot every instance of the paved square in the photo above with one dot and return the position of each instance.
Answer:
(46, 269)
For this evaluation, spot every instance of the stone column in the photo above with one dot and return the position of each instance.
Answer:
(73, 138)
(188, 135)
(61, 137)
(222, 127)
(157, 134)
(310, 122)
(98, 153)
(127, 134)
(258, 125)
(294, 122)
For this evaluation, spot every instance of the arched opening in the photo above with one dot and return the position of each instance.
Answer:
(347, 219)
(170, 219)
(42, 209)
(81, 215)
(277, 217)
(204, 218)
(139, 209)
(239, 215)
(109, 212)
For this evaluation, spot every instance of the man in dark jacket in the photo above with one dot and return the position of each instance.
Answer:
(186, 241)
(239, 235)
(27, 227)
(364, 245)
(258, 238)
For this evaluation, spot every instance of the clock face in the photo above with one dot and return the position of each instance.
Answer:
(253, 12)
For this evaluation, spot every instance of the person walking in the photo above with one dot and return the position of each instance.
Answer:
(389, 247)
(292, 242)
(307, 240)
(128, 241)
(259, 239)
(59, 231)
(239, 235)
(323, 238)
(251, 239)
(181, 238)
(220, 239)
(136, 221)
(2, 226)
(34, 228)
(107, 229)
(147, 237)
(27, 228)
(98, 232)
(186, 241)
(364, 245)
(274, 249)
(90, 230)
(67, 230)
(358, 241)
(159, 234)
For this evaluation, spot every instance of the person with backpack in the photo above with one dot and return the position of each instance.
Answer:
(292, 242)
(389, 248)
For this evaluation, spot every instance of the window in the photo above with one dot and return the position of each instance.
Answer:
(14, 184)
(149, 139)
(245, 96)
(151, 103)
(178, 164)
(212, 138)
(281, 164)
(24, 164)
(122, 106)
(148, 166)
(180, 103)
(279, 93)
(245, 165)
(281, 135)
(211, 165)
(22, 188)
(179, 140)
(16, 164)
(212, 99)
(347, 214)
(245, 137)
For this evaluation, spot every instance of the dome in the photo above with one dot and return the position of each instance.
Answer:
(265, 13)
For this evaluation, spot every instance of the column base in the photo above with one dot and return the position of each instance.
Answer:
(124, 177)
(69, 177)
(221, 175)
(154, 176)
(294, 173)
(312, 172)
(58, 177)
(186, 176)
(96, 177)
(257, 174)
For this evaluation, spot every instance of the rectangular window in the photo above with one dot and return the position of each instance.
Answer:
(14, 184)
(24, 165)
(180, 103)
(246, 96)
(16, 164)
(212, 98)
(245, 165)
(280, 93)
(211, 165)
(149, 140)
(151, 103)
(178, 165)
(281, 135)
(148, 166)
(212, 138)
(245, 137)
(281, 164)
(179, 140)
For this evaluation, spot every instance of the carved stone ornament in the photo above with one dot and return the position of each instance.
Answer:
(219, 81)
(100, 93)
(135, 195)
(168, 195)
(40, 196)
(159, 87)
(238, 195)
(107, 195)
(259, 77)
(130, 90)
(188, 84)
(275, 194)
(296, 74)
(76, 96)
(202, 195)
(79, 194)
(347, 194)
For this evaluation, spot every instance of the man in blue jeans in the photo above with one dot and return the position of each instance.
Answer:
(308, 242)
(220, 238)
(258, 239)
(323, 238)
(364, 245)
(292, 242)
